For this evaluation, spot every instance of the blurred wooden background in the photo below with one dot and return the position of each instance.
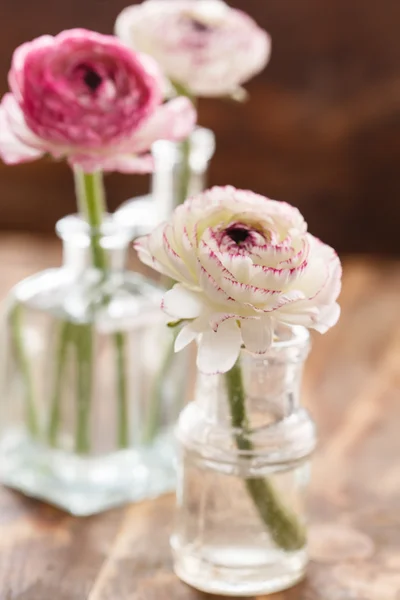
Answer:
(321, 130)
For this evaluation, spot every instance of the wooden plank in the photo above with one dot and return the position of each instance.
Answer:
(351, 384)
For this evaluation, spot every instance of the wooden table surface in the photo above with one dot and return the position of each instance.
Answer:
(352, 386)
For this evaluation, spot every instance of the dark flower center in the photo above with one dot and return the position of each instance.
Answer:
(239, 235)
(199, 26)
(92, 79)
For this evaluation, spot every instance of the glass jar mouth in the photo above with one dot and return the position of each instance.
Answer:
(291, 344)
(202, 148)
(291, 336)
(113, 234)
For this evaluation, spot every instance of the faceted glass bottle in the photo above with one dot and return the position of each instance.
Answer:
(91, 388)
(143, 214)
(240, 524)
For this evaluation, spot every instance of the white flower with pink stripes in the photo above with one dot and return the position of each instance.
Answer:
(244, 264)
(204, 46)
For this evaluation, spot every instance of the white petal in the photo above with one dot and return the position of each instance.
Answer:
(218, 351)
(257, 334)
(12, 149)
(174, 258)
(305, 317)
(186, 335)
(239, 266)
(328, 317)
(150, 252)
(213, 290)
(17, 125)
(150, 249)
(216, 318)
(182, 303)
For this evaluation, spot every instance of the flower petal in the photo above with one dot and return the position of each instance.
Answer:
(123, 163)
(257, 334)
(182, 303)
(327, 318)
(151, 252)
(12, 149)
(186, 335)
(212, 289)
(173, 121)
(218, 351)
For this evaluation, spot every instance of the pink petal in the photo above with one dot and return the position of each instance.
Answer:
(173, 121)
(16, 74)
(123, 163)
(218, 351)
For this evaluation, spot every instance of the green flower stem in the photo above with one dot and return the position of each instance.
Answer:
(91, 200)
(65, 337)
(83, 338)
(282, 524)
(185, 170)
(123, 416)
(26, 373)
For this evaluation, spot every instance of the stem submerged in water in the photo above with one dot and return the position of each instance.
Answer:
(123, 416)
(22, 359)
(83, 337)
(282, 524)
(55, 409)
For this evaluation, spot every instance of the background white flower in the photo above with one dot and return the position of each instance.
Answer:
(205, 46)
(244, 263)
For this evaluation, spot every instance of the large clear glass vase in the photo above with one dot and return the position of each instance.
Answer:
(91, 388)
(173, 168)
(244, 463)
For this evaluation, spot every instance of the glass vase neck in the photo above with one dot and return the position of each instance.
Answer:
(267, 387)
(76, 235)
(168, 164)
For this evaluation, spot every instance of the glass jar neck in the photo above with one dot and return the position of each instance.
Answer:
(269, 384)
(168, 169)
(84, 247)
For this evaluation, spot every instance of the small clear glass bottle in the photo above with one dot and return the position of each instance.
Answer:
(91, 386)
(143, 214)
(240, 525)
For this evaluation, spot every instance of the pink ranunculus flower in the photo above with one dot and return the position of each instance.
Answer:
(87, 97)
(245, 264)
(204, 46)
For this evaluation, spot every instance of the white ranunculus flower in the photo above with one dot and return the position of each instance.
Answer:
(204, 46)
(244, 264)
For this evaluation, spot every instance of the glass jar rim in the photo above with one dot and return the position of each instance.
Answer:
(202, 142)
(74, 229)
